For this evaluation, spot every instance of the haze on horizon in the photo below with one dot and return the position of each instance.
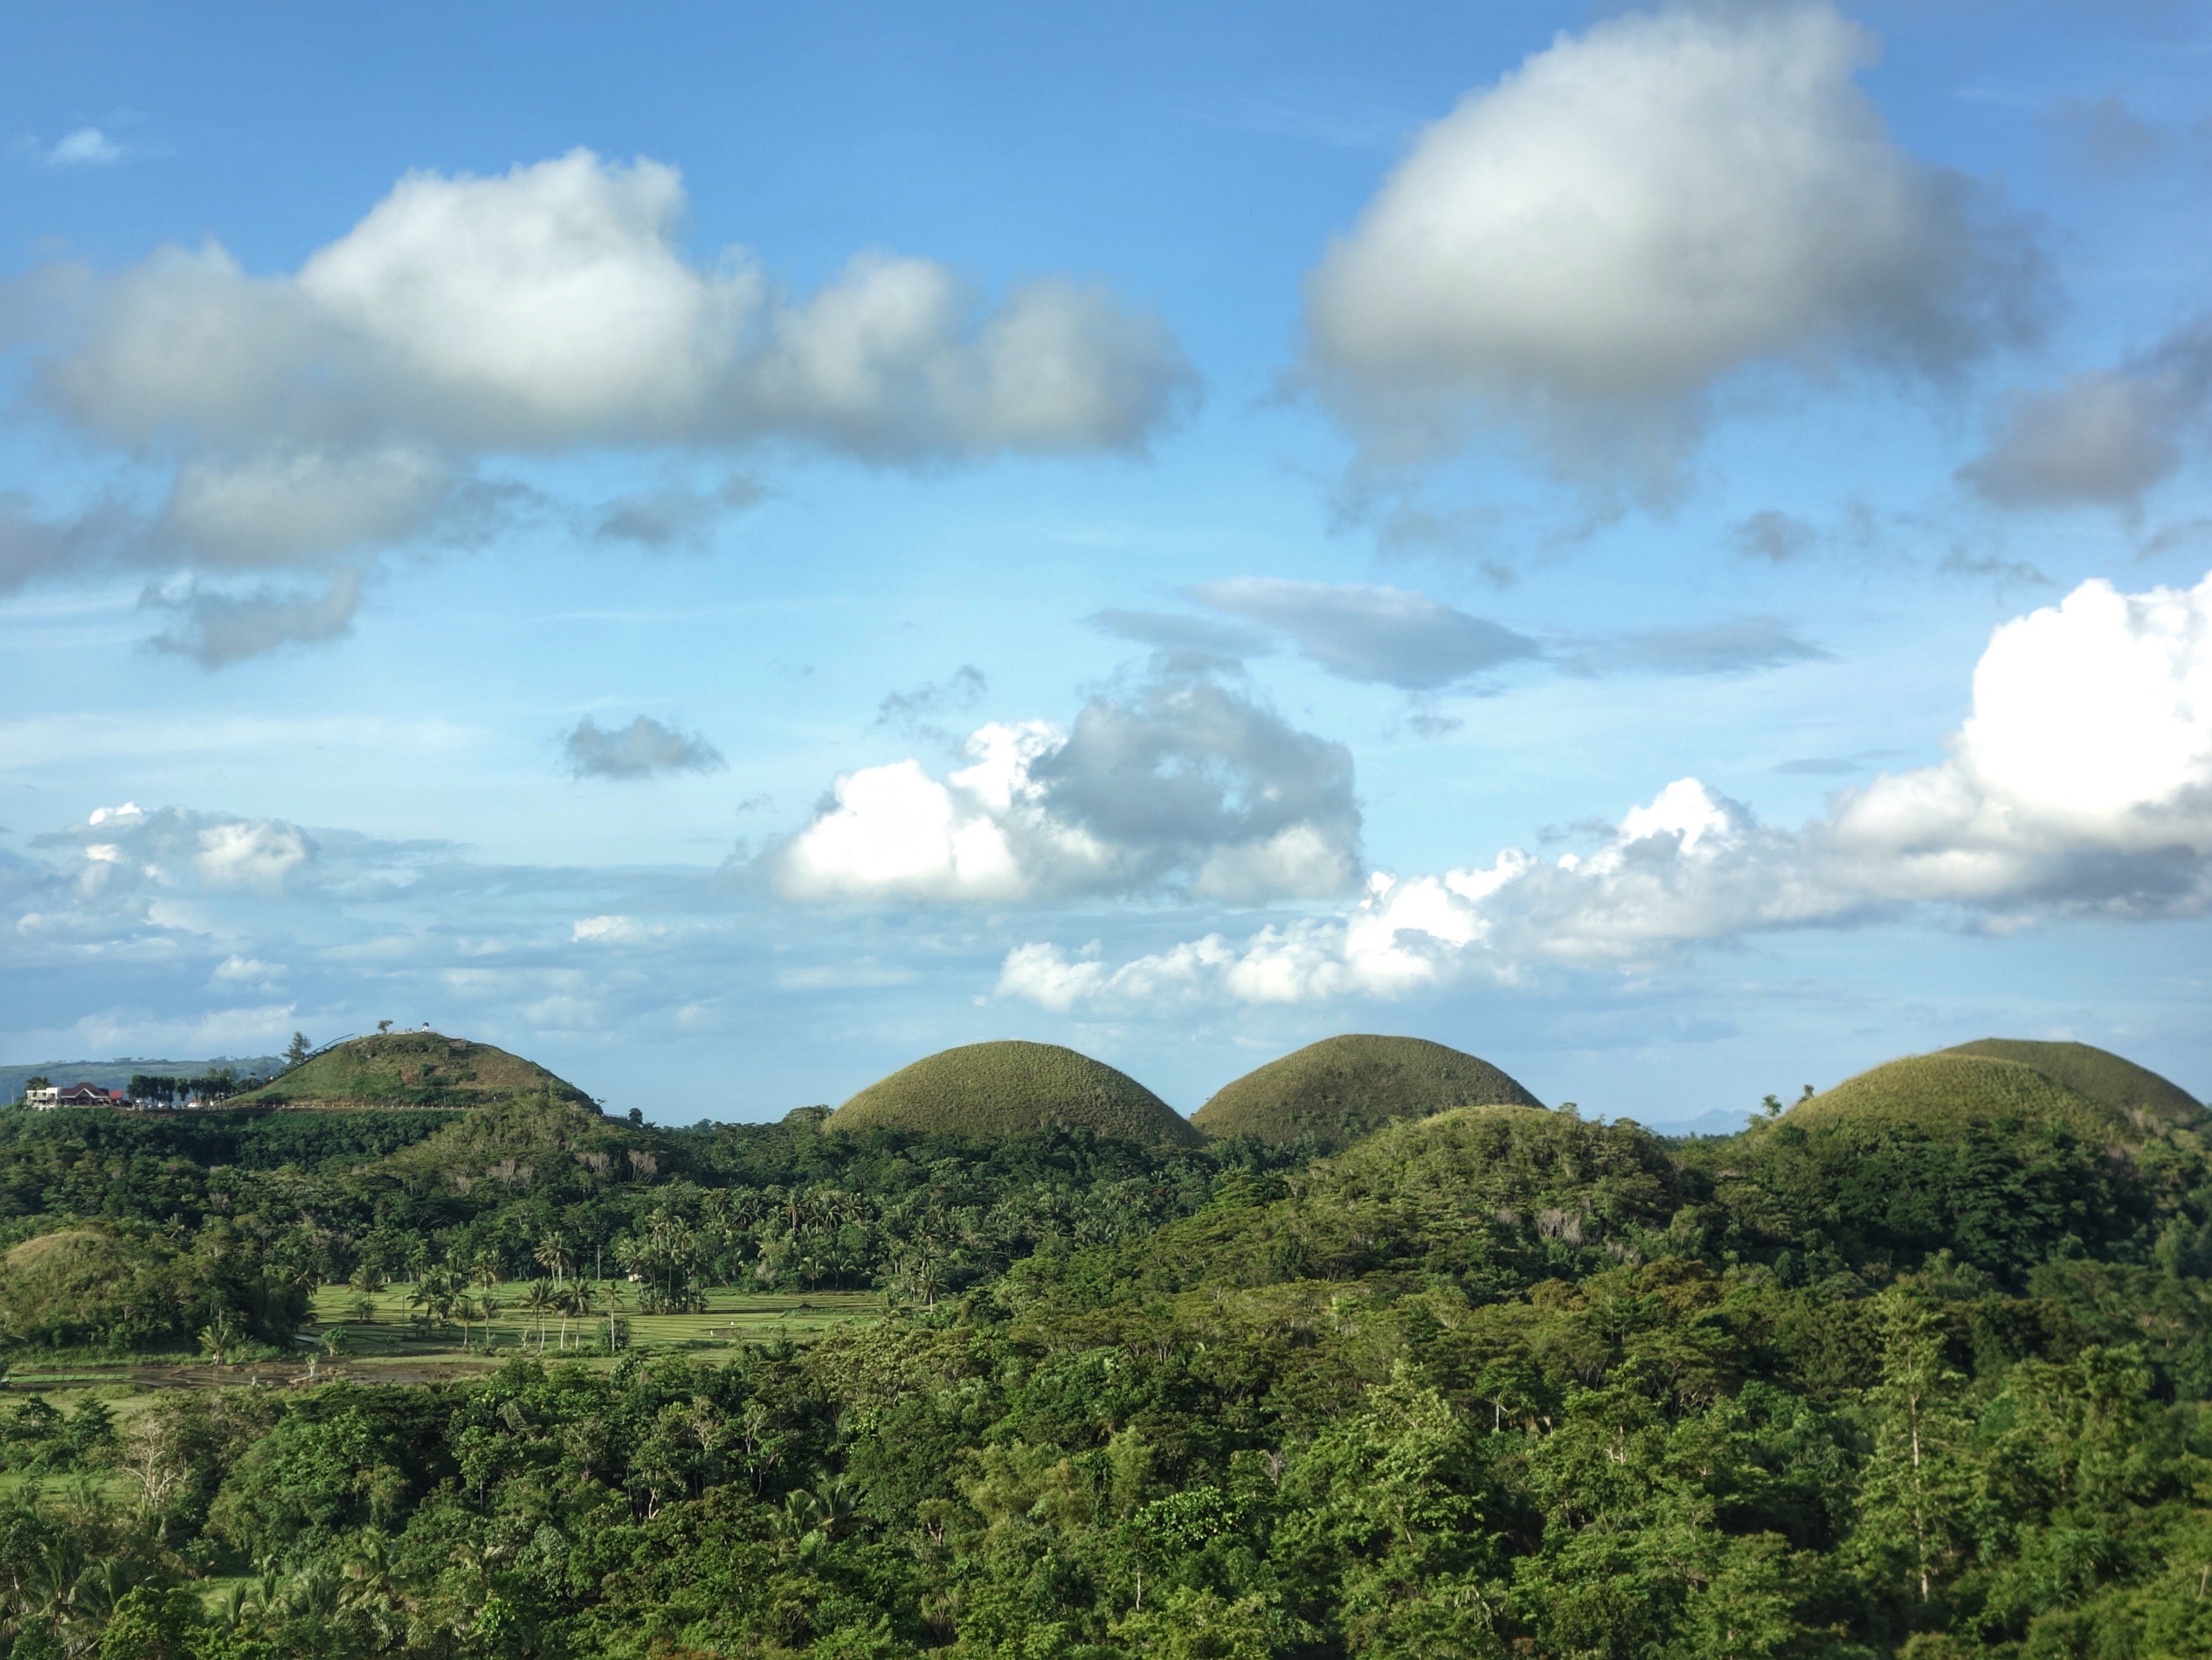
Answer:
(1666, 547)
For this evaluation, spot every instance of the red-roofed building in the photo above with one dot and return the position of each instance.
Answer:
(89, 1095)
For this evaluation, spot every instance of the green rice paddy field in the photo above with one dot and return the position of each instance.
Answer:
(389, 1347)
(732, 1317)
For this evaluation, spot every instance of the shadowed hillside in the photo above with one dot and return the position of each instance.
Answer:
(988, 1090)
(409, 1070)
(1342, 1088)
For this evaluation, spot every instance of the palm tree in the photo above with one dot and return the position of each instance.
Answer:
(611, 1299)
(233, 1604)
(575, 1300)
(552, 1254)
(220, 1336)
(541, 1300)
(487, 1308)
(437, 1292)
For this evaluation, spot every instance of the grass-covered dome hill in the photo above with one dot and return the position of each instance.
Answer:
(986, 1091)
(2111, 1080)
(2090, 1091)
(1931, 1093)
(1343, 1088)
(409, 1070)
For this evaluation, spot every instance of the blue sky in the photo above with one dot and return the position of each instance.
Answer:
(729, 548)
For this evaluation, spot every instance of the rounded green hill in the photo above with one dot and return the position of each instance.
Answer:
(1342, 1088)
(984, 1091)
(2112, 1082)
(1948, 1090)
(409, 1070)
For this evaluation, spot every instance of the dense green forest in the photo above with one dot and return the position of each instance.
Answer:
(1493, 1381)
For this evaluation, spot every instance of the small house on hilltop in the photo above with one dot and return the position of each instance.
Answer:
(78, 1094)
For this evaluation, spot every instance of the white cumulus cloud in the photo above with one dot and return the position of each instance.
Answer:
(252, 854)
(2080, 782)
(2083, 775)
(984, 832)
(351, 405)
(553, 305)
(1585, 247)
(1181, 784)
(136, 857)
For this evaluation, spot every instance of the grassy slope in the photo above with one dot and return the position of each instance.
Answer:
(409, 1070)
(1010, 1089)
(2112, 1082)
(1932, 1092)
(1342, 1088)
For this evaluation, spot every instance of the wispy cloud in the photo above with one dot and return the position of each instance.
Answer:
(1739, 646)
(915, 711)
(644, 748)
(1387, 636)
(215, 628)
(2105, 437)
(86, 146)
(1167, 631)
